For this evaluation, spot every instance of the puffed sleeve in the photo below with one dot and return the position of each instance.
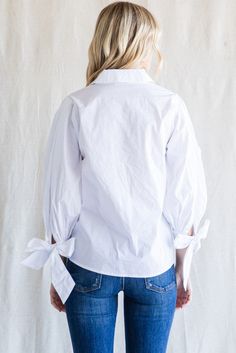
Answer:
(186, 192)
(61, 197)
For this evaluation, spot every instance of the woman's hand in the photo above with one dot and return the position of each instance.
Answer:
(183, 296)
(56, 300)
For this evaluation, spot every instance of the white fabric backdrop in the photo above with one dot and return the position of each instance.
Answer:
(43, 53)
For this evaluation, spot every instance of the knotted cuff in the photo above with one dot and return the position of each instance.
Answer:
(41, 250)
(193, 242)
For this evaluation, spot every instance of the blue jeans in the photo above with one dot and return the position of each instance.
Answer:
(91, 308)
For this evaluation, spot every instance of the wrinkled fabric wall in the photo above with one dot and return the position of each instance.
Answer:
(43, 53)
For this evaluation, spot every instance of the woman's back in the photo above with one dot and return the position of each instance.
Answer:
(124, 120)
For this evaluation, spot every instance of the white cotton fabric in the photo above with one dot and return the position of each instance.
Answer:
(123, 178)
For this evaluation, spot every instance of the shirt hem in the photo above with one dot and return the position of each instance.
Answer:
(125, 274)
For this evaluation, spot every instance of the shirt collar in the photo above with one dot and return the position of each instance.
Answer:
(123, 75)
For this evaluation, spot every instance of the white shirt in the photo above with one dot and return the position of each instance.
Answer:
(123, 181)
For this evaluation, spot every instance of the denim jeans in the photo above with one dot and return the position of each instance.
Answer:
(91, 309)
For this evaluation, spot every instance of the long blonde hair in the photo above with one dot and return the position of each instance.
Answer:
(124, 33)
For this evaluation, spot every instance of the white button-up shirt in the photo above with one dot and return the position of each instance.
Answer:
(123, 181)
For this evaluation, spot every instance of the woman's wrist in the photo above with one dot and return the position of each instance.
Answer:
(180, 254)
(53, 242)
(179, 270)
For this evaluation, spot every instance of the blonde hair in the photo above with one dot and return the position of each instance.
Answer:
(124, 33)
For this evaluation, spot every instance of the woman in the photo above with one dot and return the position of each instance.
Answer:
(124, 193)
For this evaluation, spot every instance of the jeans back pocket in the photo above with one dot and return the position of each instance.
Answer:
(163, 282)
(85, 280)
